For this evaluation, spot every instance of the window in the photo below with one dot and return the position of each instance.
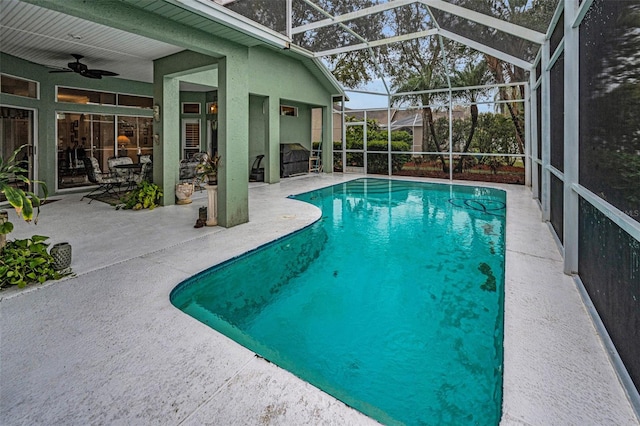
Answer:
(82, 96)
(101, 136)
(79, 136)
(190, 137)
(288, 110)
(18, 86)
(190, 108)
(145, 102)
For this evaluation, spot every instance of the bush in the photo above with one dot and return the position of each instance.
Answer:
(145, 196)
(378, 163)
(26, 261)
(377, 145)
(13, 185)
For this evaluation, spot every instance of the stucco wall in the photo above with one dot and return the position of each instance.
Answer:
(296, 129)
(271, 72)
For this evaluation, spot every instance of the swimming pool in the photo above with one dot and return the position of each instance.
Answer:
(392, 302)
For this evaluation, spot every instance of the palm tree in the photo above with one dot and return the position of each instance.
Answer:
(499, 69)
(427, 79)
(471, 76)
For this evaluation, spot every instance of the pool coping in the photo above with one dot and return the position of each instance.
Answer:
(119, 352)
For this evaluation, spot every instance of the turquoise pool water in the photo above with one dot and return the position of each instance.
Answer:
(392, 302)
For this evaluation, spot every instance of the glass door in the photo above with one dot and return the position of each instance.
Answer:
(99, 136)
(134, 137)
(16, 129)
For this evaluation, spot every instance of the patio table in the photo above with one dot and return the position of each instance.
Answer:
(131, 169)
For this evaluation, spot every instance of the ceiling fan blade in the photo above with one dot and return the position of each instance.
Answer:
(104, 73)
(90, 74)
(82, 69)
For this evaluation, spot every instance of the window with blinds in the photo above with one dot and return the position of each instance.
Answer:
(190, 137)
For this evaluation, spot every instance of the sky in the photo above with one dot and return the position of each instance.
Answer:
(365, 100)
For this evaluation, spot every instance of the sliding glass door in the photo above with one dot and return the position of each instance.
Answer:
(99, 136)
(16, 130)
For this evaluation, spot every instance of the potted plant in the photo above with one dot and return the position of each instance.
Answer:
(184, 190)
(144, 196)
(27, 260)
(208, 168)
(12, 172)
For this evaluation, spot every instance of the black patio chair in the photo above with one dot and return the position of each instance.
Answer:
(107, 183)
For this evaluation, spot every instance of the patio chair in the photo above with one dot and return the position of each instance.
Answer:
(188, 170)
(112, 162)
(257, 172)
(106, 181)
(143, 174)
(148, 176)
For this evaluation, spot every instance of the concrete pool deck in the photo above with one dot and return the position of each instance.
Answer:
(107, 347)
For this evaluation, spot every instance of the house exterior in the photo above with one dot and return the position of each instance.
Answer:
(213, 82)
(409, 120)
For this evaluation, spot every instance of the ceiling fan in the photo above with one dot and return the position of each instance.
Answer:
(80, 68)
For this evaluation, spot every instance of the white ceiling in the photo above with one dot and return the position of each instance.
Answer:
(49, 38)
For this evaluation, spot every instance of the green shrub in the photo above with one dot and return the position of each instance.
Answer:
(26, 261)
(377, 145)
(145, 196)
(378, 162)
(13, 182)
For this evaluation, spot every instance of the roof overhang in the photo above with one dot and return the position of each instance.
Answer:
(217, 12)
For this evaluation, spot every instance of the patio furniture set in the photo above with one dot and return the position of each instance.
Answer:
(123, 174)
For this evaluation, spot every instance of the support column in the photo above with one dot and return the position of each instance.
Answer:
(571, 137)
(233, 139)
(545, 191)
(166, 147)
(533, 140)
(327, 139)
(528, 140)
(272, 170)
(212, 207)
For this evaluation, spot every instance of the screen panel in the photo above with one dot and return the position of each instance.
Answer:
(609, 267)
(539, 122)
(557, 206)
(557, 34)
(557, 114)
(609, 103)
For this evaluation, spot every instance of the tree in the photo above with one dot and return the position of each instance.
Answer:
(534, 14)
(353, 68)
(472, 75)
(426, 80)
(419, 64)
